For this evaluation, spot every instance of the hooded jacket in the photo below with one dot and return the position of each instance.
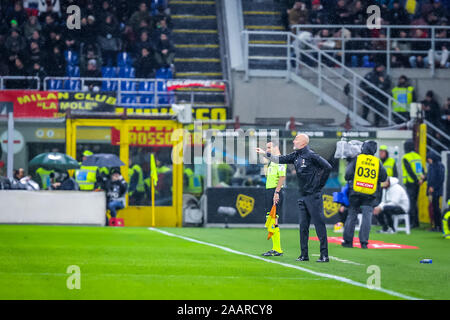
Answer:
(395, 195)
(436, 175)
(369, 147)
(312, 170)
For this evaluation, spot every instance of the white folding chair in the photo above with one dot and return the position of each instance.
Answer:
(396, 218)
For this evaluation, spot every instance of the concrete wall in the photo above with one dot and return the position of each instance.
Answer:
(53, 207)
(276, 98)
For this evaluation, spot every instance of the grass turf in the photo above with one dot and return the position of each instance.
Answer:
(136, 263)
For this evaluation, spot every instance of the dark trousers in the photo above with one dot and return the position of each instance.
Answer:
(385, 216)
(412, 190)
(436, 211)
(268, 200)
(311, 207)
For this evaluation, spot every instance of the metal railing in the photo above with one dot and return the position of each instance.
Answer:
(326, 74)
(139, 91)
(32, 83)
(344, 37)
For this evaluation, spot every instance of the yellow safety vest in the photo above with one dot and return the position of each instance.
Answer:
(194, 182)
(445, 225)
(86, 177)
(415, 161)
(140, 187)
(410, 6)
(404, 96)
(45, 177)
(389, 164)
(366, 174)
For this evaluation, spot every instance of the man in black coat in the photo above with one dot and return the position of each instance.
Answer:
(312, 173)
(358, 200)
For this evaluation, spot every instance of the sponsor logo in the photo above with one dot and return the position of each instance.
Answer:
(364, 184)
(244, 205)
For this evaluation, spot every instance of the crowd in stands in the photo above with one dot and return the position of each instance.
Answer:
(35, 41)
(393, 12)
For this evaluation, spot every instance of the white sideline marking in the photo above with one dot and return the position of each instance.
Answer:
(340, 260)
(319, 274)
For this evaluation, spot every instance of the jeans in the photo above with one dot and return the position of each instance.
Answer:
(385, 216)
(113, 206)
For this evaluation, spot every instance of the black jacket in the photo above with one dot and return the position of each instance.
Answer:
(368, 147)
(312, 170)
(116, 190)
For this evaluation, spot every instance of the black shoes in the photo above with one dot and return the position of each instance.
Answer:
(347, 244)
(323, 259)
(302, 258)
(271, 253)
(364, 246)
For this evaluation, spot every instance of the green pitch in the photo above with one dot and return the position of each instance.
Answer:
(137, 263)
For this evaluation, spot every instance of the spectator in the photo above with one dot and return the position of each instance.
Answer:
(161, 27)
(358, 13)
(70, 42)
(440, 55)
(163, 15)
(17, 13)
(15, 43)
(417, 59)
(298, 14)
(106, 10)
(90, 32)
(92, 72)
(341, 15)
(394, 201)
(38, 71)
(145, 65)
(109, 40)
(37, 37)
(317, 15)
(144, 42)
(48, 6)
(430, 108)
(399, 45)
(379, 79)
(435, 179)
(397, 16)
(116, 190)
(90, 52)
(56, 66)
(63, 181)
(142, 14)
(438, 10)
(165, 52)
(31, 26)
(18, 69)
(446, 116)
(128, 38)
(35, 54)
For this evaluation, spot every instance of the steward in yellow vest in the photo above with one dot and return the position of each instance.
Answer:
(193, 182)
(137, 186)
(388, 163)
(44, 176)
(86, 176)
(413, 177)
(403, 95)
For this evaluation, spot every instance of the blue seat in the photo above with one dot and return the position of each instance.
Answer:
(147, 86)
(162, 86)
(71, 57)
(127, 99)
(128, 86)
(109, 72)
(166, 98)
(73, 71)
(126, 72)
(109, 85)
(72, 85)
(164, 73)
(147, 98)
(354, 61)
(366, 63)
(124, 59)
(54, 84)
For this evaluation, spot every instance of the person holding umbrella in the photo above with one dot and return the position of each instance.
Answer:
(63, 181)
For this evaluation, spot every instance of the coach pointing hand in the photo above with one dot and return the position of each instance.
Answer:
(312, 173)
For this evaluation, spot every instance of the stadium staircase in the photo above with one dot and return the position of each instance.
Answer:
(264, 15)
(196, 38)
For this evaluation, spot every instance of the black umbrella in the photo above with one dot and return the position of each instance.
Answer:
(101, 160)
(54, 161)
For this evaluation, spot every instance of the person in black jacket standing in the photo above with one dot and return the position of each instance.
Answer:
(361, 199)
(312, 173)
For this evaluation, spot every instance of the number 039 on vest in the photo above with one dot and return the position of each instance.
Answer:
(366, 174)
